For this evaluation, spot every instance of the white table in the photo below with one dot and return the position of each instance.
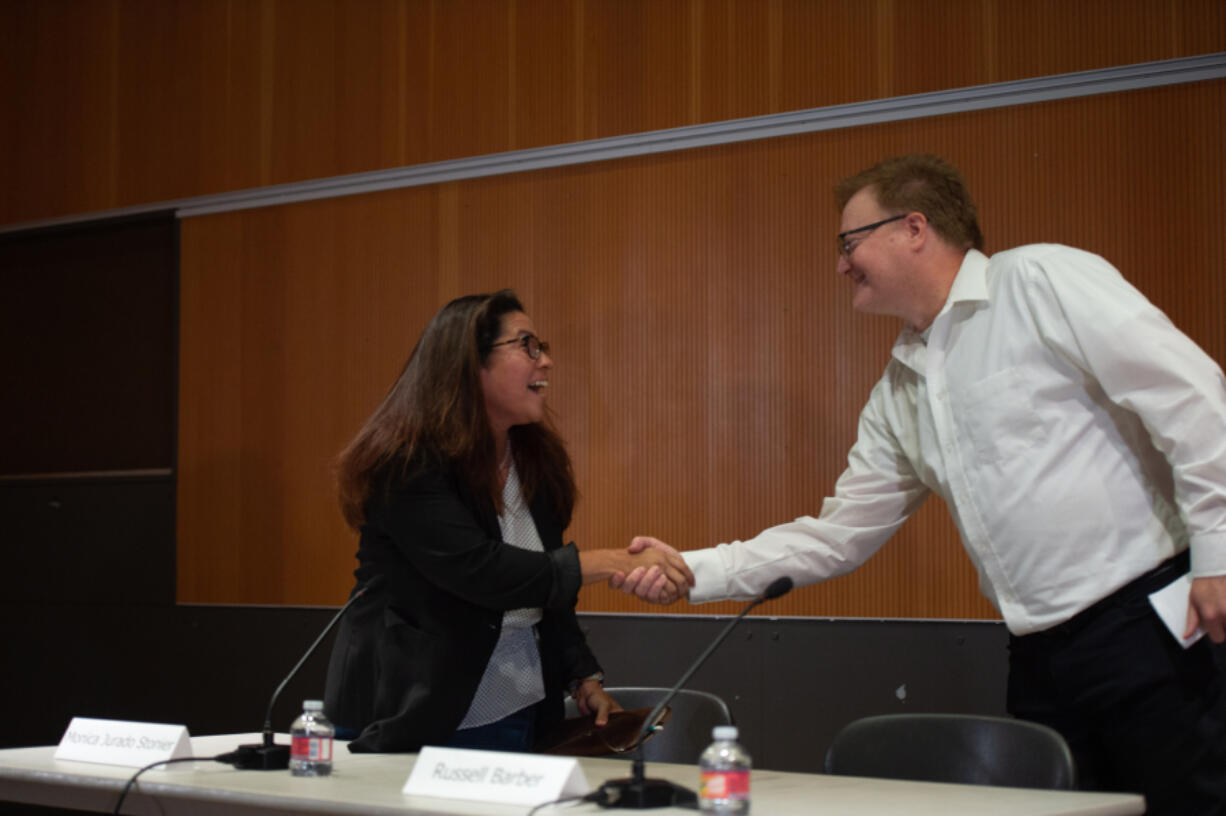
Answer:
(371, 784)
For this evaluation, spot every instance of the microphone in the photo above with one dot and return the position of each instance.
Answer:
(268, 755)
(639, 793)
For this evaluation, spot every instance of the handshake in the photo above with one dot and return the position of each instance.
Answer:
(648, 568)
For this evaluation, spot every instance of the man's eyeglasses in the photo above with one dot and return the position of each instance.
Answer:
(533, 345)
(846, 247)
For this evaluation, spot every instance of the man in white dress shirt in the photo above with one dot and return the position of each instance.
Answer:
(1078, 439)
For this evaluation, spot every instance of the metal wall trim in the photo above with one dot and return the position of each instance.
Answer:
(856, 114)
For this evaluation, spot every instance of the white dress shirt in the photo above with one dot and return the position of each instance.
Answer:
(1077, 437)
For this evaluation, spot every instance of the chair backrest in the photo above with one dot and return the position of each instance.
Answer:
(954, 748)
(688, 731)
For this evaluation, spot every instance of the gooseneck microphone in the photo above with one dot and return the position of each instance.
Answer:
(268, 755)
(639, 793)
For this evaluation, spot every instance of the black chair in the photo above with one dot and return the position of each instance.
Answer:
(961, 748)
(688, 731)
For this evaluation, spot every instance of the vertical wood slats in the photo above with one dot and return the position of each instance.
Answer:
(114, 103)
(709, 370)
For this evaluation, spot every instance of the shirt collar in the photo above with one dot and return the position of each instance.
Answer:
(971, 282)
(970, 286)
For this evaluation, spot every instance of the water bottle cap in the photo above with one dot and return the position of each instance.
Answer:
(724, 732)
(313, 705)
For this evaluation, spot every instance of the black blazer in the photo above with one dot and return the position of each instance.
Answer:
(408, 658)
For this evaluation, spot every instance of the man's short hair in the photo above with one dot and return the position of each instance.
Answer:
(921, 183)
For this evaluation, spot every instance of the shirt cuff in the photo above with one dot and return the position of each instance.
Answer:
(710, 580)
(1209, 555)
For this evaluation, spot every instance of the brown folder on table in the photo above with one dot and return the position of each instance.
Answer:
(580, 736)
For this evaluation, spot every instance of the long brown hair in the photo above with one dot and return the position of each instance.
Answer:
(436, 410)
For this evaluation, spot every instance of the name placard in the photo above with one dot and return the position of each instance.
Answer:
(119, 742)
(495, 776)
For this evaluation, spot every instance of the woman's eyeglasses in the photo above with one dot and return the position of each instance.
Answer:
(533, 345)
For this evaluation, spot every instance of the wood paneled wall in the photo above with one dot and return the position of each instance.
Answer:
(709, 369)
(114, 103)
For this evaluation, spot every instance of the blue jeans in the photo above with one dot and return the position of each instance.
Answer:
(515, 732)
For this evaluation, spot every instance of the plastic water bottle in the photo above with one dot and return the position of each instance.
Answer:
(725, 774)
(310, 753)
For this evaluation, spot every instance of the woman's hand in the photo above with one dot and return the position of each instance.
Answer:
(652, 562)
(653, 583)
(593, 699)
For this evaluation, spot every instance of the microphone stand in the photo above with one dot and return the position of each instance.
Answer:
(268, 755)
(637, 792)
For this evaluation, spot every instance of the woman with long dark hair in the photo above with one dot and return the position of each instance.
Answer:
(461, 489)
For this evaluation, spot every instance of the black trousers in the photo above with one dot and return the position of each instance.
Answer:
(1141, 714)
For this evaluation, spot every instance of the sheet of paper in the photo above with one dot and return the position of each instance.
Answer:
(1171, 604)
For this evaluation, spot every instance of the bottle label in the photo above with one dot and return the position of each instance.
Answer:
(725, 785)
(314, 749)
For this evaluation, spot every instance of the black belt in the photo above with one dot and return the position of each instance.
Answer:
(1142, 585)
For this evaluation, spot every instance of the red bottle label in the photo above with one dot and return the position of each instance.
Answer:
(725, 785)
(312, 748)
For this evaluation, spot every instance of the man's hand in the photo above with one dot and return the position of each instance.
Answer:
(593, 699)
(660, 573)
(652, 583)
(1207, 607)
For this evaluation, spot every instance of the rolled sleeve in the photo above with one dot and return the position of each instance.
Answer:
(568, 577)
